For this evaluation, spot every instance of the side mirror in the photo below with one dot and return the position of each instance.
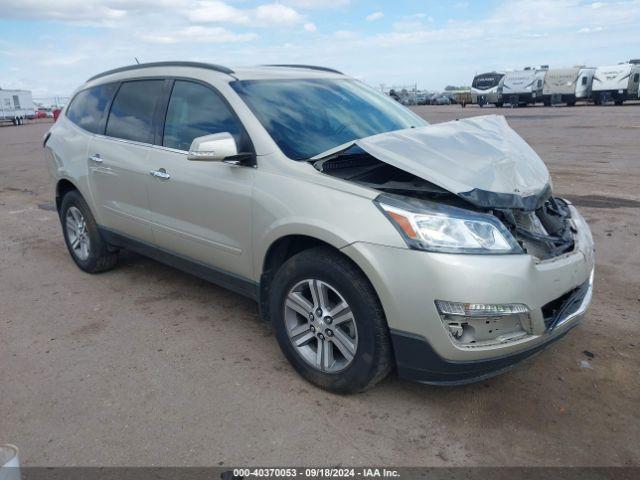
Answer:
(213, 148)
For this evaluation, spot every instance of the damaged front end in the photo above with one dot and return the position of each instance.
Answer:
(477, 171)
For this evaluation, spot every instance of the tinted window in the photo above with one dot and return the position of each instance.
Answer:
(584, 80)
(131, 115)
(308, 117)
(88, 108)
(636, 77)
(195, 110)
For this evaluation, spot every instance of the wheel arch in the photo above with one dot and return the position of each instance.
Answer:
(285, 247)
(64, 186)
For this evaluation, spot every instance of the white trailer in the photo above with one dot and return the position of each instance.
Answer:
(486, 87)
(567, 85)
(616, 82)
(523, 87)
(16, 106)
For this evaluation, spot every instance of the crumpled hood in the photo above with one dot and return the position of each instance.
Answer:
(480, 159)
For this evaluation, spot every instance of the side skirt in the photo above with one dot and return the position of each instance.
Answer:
(227, 280)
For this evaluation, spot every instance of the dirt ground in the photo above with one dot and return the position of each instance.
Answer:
(145, 365)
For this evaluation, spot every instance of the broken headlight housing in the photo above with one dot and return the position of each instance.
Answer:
(442, 228)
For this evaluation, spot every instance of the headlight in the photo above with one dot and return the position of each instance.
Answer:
(441, 228)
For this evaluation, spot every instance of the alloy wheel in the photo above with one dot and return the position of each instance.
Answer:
(77, 233)
(321, 325)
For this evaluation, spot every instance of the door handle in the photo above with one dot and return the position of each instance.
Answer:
(96, 158)
(161, 173)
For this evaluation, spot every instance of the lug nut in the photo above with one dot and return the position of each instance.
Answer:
(321, 336)
(319, 312)
(328, 320)
(313, 329)
(329, 332)
(311, 316)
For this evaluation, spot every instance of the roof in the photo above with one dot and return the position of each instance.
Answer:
(246, 73)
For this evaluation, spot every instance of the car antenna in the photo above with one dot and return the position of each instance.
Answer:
(136, 58)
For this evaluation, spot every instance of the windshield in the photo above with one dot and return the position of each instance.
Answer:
(308, 117)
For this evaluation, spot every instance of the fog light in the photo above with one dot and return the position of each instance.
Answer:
(484, 324)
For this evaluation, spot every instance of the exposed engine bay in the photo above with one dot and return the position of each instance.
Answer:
(543, 227)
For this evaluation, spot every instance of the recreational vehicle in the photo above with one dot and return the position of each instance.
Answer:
(616, 82)
(486, 87)
(567, 85)
(16, 106)
(523, 87)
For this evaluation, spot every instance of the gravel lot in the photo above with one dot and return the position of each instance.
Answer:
(145, 365)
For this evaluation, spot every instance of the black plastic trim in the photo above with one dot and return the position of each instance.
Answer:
(486, 199)
(225, 279)
(208, 66)
(308, 67)
(416, 360)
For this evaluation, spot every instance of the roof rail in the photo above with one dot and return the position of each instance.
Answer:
(309, 67)
(209, 66)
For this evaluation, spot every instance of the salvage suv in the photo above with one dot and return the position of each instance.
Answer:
(369, 238)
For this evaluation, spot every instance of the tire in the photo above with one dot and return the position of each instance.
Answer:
(99, 258)
(619, 102)
(367, 328)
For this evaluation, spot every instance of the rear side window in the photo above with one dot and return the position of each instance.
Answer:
(131, 115)
(194, 111)
(88, 108)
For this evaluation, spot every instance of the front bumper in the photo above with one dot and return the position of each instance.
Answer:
(409, 281)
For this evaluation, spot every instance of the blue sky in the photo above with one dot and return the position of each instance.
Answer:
(50, 47)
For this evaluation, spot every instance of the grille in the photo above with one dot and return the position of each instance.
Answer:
(556, 310)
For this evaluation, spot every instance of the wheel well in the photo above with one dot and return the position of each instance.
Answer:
(279, 252)
(62, 188)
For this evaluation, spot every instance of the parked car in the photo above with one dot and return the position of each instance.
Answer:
(441, 100)
(369, 238)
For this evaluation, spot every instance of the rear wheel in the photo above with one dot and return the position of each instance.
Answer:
(329, 322)
(84, 242)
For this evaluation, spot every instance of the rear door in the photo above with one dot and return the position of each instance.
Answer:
(119, 162)
(201, 210)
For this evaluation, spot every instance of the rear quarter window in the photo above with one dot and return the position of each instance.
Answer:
(88, 107)
(131, 115)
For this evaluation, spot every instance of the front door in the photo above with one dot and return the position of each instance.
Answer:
(201, 210)
(119, 164)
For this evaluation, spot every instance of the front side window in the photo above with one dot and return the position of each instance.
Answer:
(131, 115)
(16, 102)
(636, 77)
(584, 80)
(88, 108)
(307, 117)
(194, 111)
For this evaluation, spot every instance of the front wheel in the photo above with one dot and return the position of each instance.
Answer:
(329, 322)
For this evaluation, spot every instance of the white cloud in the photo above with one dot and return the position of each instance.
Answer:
(217, 12)
(316, 4)
(197, 34)
(372, 17)
(276, 14)
(310, 27)
(267, 15)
